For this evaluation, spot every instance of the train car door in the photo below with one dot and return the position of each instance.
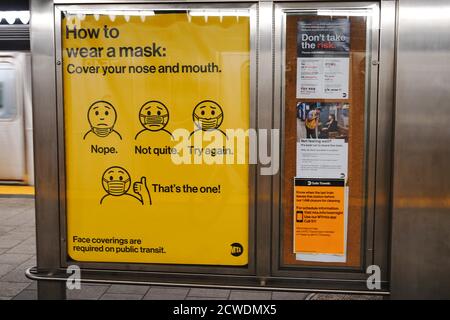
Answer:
(12, 138)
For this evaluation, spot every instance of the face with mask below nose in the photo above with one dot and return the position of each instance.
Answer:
(154, 116)
(207, 115)
(116, 181)
(102, 117)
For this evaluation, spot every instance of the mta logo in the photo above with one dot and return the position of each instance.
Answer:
(236, 249)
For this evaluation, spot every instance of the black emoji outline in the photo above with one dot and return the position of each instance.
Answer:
(206, 130)
(162, 128)
(112, 127)
(142, 184)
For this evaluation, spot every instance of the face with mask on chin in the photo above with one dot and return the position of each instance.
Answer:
(102, 117)
(207, 115)
(154, 116)
(116, 181)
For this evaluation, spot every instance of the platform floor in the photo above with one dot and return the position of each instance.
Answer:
(18, 252)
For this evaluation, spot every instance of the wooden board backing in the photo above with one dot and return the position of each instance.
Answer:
(356, 141)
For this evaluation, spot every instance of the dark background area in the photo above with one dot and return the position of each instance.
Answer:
(14, 5)
(14, 37)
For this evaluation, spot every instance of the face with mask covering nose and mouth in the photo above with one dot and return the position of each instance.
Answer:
(116, 181)
(102, 116)
(154, 116)
(207, 115)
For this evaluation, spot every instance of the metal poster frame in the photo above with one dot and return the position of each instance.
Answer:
(375, 210)
(264, 271)
(252, 172)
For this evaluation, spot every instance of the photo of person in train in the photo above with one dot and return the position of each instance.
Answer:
(330, 127)
(318, 120)
(312, 123)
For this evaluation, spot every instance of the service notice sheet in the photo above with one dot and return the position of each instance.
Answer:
(322, 158)
(320, 200)
(319, 216)
(322, 78)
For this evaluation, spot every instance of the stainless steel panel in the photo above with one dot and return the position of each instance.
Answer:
(385, 138)
(46, 140)
(370, 132)
(209, 281)
(265, 112)
(421, 190)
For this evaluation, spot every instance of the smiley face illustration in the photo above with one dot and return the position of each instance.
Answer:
(207, 116)
(102, 117)
(116, 181)
(153, 116)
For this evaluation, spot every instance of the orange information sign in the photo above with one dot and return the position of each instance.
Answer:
(319, 219)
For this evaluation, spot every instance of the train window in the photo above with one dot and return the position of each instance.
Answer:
(8, 107)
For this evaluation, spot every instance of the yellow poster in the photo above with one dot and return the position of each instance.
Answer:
(149, 102)
(319, 220)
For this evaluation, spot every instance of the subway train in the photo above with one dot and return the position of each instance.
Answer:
(16, 128)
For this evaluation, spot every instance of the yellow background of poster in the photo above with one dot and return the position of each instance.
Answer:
(192, 228)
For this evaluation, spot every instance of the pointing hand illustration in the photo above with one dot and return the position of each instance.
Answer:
(141, 189)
